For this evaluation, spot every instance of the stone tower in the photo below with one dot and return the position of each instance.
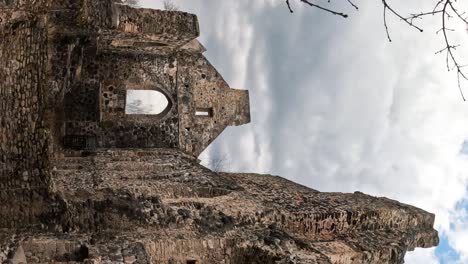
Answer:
(90, 174)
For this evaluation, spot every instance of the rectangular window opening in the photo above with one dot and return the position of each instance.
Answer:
(204, 112)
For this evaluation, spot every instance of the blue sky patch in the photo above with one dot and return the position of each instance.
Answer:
(445, 253)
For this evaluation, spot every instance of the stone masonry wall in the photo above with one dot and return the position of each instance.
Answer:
(90, 76)
(24, 164)
(202, 89)
(149, 27)
(35, 6)
(160, 206)
(95, 105)
(67, 76)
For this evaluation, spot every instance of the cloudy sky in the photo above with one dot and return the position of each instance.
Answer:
(337, 107)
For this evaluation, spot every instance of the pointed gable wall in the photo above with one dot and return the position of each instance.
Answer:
(207, 104)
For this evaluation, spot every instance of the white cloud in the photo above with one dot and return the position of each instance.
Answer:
(421, 256)
(458, 233)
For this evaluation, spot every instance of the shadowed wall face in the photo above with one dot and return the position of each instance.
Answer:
(24, 139)
(110, 126)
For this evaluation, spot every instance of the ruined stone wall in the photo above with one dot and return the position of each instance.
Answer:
(26, 5)
(74, 86)
(132, 184)
(202, 89)
(317, 215)
(97, 14)
(153, 28)
(129, 194)
(91, 73)
(160, 206)
(95, 105)
(24, 139)
(105, 49)
(137, 72)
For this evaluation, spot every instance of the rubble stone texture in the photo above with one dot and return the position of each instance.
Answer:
(81, 181)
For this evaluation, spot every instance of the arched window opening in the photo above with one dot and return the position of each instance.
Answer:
(145, 102)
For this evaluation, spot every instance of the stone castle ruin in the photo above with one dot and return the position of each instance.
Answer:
(90, 174)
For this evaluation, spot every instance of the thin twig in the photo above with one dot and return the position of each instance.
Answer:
(384, 2)
(289, 6)
(325, 9)
(353, 4)
(385, 23)
(328, 10)
(449, 48)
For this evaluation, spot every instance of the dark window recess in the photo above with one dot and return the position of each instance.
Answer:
(82, 104)
(79, 142)
(204, 112)
(191, 262)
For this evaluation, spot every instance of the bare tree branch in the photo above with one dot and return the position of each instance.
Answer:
(406, 20)
(353, 4)
(289, 6)
(450, 48)
(445, 8)
(328, 10)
